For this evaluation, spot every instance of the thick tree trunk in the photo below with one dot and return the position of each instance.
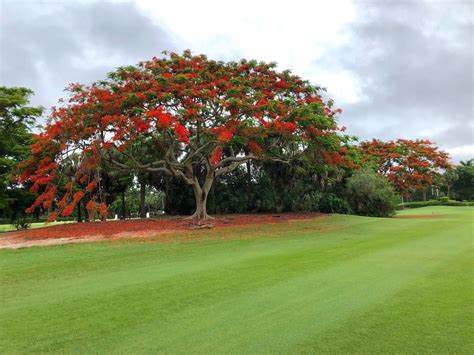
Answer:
(142, 200)
(424, 195)
(200, 197)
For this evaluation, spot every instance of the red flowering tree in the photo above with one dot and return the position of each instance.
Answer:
(182, 115)
(409, 165)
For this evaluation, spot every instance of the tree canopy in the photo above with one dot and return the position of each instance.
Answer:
(185, 116)
(409, 165)
(16, 121)
(464, 181)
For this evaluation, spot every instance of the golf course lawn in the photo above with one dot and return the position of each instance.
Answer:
(337, 284)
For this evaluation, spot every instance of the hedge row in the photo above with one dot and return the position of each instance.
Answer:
(441, 202)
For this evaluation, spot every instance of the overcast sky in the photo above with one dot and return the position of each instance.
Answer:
(397, 68)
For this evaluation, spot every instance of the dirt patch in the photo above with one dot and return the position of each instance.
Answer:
(16, 243)
(421, 216)
(140, 228)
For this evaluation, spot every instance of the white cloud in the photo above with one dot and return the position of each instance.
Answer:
(295, 35)
(464, 152)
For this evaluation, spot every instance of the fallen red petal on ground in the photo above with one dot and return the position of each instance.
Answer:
(138, 228)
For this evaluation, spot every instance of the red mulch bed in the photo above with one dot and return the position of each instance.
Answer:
(148, 226)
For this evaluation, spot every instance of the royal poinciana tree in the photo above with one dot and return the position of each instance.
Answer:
(409, 165)
(181, 115)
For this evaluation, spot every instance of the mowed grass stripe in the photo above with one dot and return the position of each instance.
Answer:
(286, 289)
(435, 316)
(114, 271)
(118, 265)
(302, 306)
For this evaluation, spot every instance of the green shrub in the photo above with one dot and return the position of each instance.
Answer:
(459, 203)
(331, 203)
(21, 222)
(419, 204)
(371, 195)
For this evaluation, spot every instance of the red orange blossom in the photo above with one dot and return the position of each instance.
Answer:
(197, 119)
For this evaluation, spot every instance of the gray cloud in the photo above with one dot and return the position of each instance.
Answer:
(413, 62)
(46, 46)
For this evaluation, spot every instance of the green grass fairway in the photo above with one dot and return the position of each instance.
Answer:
(342, 284)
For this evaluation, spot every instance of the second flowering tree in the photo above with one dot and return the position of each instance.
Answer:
(409, 165)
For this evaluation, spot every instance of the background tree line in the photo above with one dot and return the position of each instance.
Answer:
(304, 185)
